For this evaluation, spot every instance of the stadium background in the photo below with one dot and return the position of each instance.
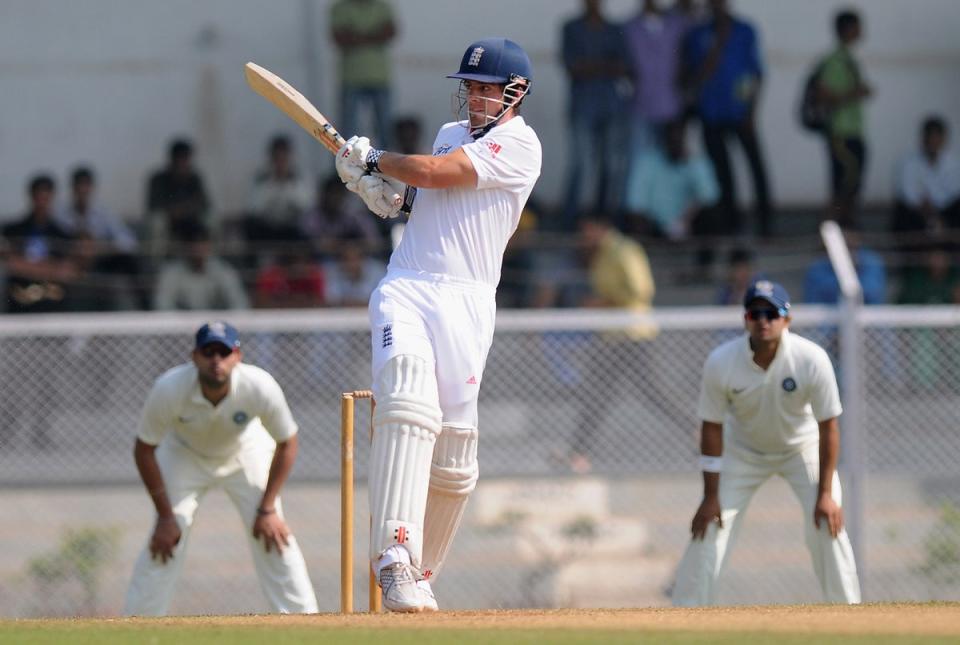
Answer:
(110, 82)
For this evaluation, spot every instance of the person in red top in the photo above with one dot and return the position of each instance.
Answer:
(293, 281)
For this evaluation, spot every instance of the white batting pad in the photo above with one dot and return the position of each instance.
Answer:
(453, 476)
(405, 428)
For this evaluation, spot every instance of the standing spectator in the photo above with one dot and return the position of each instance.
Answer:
(822, 287)
(670, 191)
(198, 281)
(279, 197)
(842, 90)
(768, 406)
(654, 40)
(353, 276)
(362, 29)
(112, 245)
(594, 55)
(724, 74)
(216, 422)
(333, 219)
(39, 259)
(928, 185)
(176, 198)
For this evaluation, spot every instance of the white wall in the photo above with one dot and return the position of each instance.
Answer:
(110, 81)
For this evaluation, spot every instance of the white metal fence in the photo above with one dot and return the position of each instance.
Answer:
(537, 533)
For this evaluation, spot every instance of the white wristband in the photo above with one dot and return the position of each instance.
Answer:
(710, 464)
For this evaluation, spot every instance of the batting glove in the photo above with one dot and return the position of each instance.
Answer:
(349, 172)
(383, 196)
(365, 155)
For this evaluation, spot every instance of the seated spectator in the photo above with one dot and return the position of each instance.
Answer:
(822, 287)
(333, 219)
(669, 189)
(740, 275)
(108, 245)
(198, 280)
(935, 283)
(353, 276)
(39, 261)
(408, 136)
(928, 185)
(293, 281)
(279, 197)
(176, 198)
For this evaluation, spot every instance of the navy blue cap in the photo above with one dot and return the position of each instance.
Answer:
(218, 331)
(494, 60)
(772, 292)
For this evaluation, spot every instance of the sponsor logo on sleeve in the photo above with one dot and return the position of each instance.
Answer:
(442, 150)
(494, 148)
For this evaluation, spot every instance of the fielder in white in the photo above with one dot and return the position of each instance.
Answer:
(769, 405)
(432, 316)
(217, 422)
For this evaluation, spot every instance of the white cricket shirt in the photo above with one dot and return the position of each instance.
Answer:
(463, 232)
(770, 411)
(254, 407)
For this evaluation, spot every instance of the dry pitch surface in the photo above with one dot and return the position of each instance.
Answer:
(873, 623)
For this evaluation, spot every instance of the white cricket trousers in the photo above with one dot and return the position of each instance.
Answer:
(283, 578)
(704, 561)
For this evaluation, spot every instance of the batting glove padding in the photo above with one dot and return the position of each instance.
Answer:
(349, 171)
(383, 196)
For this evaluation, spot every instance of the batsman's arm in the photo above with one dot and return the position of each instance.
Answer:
(144, 455)
(454, 170)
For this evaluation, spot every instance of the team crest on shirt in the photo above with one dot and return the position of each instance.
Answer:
(789, 385)
(442, 150)
(240, 417)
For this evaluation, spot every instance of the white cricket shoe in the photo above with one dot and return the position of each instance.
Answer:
(398, 582)
(426, 595)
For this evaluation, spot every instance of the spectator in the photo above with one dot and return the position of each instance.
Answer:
(740, 275)
(353, 276)
(822, 287)
(199, 280)
(108, 246)
(594, 56)
(279, 198)
(654, 40)
(516, 286)
(935, 283)
(408, 136)
(671, 191)
(39, 259)
(928, 184)
(724, 75)
(176, 198)
(332, 219)
(842, 90)
(362, 29)
(293, 281)
(620, 276)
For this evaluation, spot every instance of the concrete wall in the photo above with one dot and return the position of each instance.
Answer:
(110, 81)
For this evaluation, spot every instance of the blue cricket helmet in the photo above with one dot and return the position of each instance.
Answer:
(495, 60)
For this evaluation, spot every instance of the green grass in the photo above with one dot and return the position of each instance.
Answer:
(107, 633)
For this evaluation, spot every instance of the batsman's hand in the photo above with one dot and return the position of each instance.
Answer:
(827, 510)
(349, 171)
(166, 535)
(383, 196)
(708, 512)
(273, 530)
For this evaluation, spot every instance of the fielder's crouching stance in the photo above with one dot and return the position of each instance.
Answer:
(217, 422)
(769, 405)
(432, 316)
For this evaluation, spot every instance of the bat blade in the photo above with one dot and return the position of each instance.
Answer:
(293, 104)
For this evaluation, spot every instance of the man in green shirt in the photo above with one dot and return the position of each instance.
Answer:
(842, 89)
(362, 29)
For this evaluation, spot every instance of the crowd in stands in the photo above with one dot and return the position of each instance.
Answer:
(636, 181)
